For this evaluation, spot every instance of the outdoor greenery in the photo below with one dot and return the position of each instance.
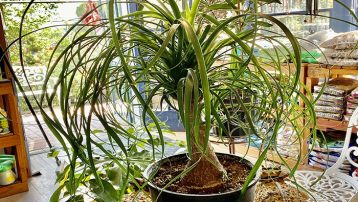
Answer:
(36, 47)
(40, 38)
(201, 62)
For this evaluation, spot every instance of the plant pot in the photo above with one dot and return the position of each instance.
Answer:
(169, 196)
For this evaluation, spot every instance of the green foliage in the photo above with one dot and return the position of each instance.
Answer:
(81, 10)
(198, 64)
(40, 38)
(108, 194)
(36, 47)
(53, 153)
(190, 59)
(115, 175)
(79, 181)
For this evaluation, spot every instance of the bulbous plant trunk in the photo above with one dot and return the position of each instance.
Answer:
(208, 173)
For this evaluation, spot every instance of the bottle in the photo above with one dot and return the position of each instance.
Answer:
(4, 124)
(7, 176)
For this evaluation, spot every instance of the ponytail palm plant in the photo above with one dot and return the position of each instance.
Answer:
(199, 63)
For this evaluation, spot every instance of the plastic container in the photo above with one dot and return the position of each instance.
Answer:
(7, 176)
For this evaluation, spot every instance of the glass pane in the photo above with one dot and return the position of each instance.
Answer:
(301, 26)
(293, 5)
(285, 6)
(324, 4)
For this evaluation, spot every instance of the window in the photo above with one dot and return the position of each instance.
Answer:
(302, 24)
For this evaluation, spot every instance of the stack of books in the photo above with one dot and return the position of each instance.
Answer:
(325, 155)
(331, 97)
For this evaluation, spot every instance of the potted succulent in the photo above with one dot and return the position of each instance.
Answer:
(195, 56)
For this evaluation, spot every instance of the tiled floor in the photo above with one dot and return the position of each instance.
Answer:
(34, 138)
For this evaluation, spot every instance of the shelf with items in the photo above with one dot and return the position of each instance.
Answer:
(12, 143)
(311, 77)
(312, 73)
(13, 175)
(14, 188)
(5, 127)
(328, 124)
(328, 71)
(3, 136)
(327, 148)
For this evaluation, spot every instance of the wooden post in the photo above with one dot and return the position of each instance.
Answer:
(310, 83)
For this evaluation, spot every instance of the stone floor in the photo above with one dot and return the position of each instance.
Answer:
(34, 138)
(36, 142)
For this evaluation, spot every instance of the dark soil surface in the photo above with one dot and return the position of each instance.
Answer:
(237, 173)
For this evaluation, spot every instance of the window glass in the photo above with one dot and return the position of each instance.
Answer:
(294, 5)
(324, 4)
(285, 6)
(302, 25)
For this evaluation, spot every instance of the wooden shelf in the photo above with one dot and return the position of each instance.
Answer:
(9, 140)
(326, 71)
(310, 76)
(6, 87)
(327, 124)
(17, 187)
(16, 139)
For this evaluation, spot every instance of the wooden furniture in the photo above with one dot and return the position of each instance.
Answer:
(311, 73)
(14, 142)
(334, 185)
